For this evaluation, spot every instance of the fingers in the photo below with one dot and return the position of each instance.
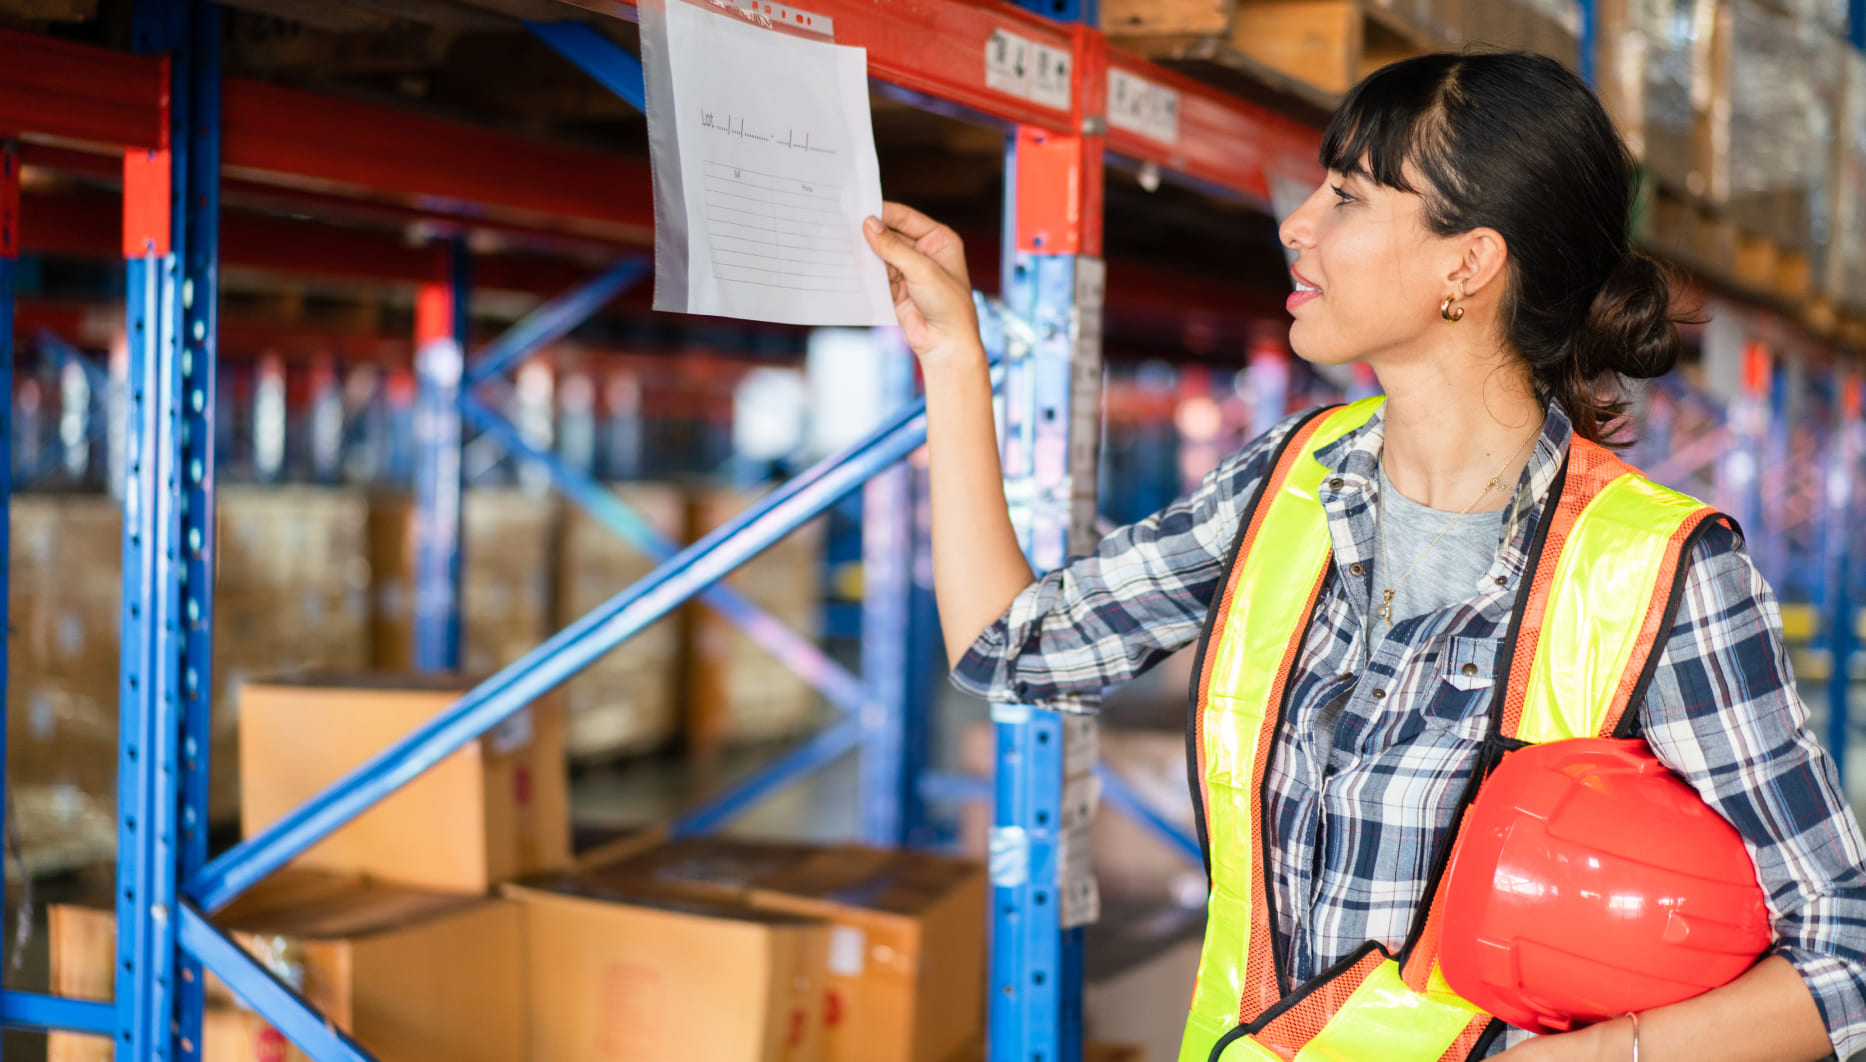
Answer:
(908, 221)
(898, 252)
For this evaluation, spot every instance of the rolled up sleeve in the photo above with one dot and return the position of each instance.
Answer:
(1104, 618)
(1724, 713)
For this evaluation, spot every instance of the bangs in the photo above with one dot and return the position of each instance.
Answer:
(1392, 128)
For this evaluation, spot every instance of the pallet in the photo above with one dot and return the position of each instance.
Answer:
(1768, 268)
(1690, 232)
(1313, 49)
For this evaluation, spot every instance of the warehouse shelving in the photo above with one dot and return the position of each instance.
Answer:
(182, 130)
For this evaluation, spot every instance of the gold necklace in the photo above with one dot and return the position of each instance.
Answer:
(1386, 596)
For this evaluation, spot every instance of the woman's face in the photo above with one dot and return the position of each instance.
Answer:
(1369, 276)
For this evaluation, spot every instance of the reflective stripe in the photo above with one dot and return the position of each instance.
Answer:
(1385, 1020)
(1597, 605)
(1290, 551)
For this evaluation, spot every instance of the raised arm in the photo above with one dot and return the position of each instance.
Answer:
(977, 565)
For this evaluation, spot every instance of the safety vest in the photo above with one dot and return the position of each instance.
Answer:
(1606, 560)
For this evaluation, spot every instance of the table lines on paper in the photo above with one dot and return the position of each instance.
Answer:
(778, 230)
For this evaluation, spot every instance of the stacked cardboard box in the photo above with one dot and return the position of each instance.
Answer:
(1546, 27)
(291, 592)
(506, 541)
(65, 600)
(1774, 166)
(625, 702)
(736, 691)
(1844, 281)
(413, 976)
(900, 974)
(496, 809)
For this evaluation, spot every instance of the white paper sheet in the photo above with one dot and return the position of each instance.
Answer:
(776, 170)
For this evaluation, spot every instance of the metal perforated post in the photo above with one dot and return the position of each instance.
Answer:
(171, 206)
(440, 363)
(9, 262)
(887, 595)
(1844, 453)
(1045, 790)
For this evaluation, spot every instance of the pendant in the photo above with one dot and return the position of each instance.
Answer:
(1386, 606)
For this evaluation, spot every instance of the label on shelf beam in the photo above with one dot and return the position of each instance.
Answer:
(1049, 81)
(1140, 106)
(1035, 72)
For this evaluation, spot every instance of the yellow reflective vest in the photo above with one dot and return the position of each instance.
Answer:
(1606, 562)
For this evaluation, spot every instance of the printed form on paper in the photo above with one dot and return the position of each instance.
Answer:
(777, 167)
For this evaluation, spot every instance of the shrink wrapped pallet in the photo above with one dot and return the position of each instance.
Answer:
(624, 702)
(506, 581)
(1773, 167)
(291, 593)
(1845, 274)
(738, 692)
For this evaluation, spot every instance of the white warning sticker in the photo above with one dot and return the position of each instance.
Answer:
(1007, 64)
(1049, 77)
(1141, 106)
(1036, 72)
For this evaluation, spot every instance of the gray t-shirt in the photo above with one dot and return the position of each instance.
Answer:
(1445, 576)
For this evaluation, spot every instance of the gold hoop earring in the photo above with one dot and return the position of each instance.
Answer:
(1450, 314)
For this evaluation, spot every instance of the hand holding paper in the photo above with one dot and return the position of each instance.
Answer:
(927, 279)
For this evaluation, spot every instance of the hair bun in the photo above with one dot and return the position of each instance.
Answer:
(1630, 328)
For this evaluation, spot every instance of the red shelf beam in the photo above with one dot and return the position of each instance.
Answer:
(279, 134)
(1222, 141)
(77, 92)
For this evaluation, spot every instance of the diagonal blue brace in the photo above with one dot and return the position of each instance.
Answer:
(284, 1009)
(674, 582)
(554, 319)
(803, 656)
(813, 755)
(598, 56)
(1120, 795)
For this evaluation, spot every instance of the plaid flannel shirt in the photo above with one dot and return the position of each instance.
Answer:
(1355, 820)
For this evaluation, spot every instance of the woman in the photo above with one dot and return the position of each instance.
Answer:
(1470, 244)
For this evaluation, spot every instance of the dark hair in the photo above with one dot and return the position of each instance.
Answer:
(1517, 143)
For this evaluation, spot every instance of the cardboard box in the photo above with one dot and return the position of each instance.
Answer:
(497, 809)
(506, 546)
(907, 938)
(414, 976)
(625, 702)
(736, 691)
(619, 974)
(907, 949)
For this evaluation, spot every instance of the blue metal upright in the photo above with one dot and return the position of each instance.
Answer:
(888, 535)
(1043, 891)
(9, 266)
(441, 329)
(1845, 449)
(170, 233)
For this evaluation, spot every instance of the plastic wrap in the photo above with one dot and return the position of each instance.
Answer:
(292, 591)
(1677, 38)
(1775, 166)
(1846, 259)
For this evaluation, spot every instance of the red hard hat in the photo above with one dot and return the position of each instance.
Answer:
(1590, 881)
